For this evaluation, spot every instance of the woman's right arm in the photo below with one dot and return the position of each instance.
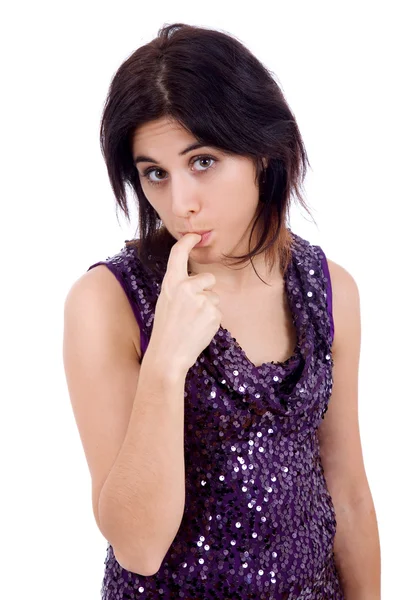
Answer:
(130, 418)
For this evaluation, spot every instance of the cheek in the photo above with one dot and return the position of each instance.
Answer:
(240, 208)
(157, 207)
(239, 217)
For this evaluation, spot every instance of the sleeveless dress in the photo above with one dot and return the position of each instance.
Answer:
(259, 522)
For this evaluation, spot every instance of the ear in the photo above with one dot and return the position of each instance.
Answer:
(265, 163)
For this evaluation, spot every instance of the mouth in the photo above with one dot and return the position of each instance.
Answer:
(205, 237)
(200, 232)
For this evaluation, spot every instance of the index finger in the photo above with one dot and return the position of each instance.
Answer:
(179, 256)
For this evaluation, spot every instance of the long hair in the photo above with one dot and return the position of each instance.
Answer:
(214, 87)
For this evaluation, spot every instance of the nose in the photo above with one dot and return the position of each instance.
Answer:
(184, 197)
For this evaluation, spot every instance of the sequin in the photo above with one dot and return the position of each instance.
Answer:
(259, 522)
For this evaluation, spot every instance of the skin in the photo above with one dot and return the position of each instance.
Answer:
(224, 198)
(218, 193)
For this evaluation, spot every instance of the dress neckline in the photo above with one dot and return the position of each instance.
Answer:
(237, 349)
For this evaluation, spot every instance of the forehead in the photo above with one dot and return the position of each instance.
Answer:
(159, 132)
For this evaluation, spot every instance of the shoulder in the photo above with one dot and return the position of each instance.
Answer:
(345, 304)
(344, 286)
(339, 431)
(98, 291)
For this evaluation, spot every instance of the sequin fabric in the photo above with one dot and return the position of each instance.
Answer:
(259, 522)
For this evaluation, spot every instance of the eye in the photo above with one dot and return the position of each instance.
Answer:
(148, 172)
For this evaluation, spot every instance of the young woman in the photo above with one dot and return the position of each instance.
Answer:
(212, 363)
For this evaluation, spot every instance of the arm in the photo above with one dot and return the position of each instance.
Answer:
(356, 546)
(142, 501)
(130, 420)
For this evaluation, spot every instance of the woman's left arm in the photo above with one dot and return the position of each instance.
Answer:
(356, 545)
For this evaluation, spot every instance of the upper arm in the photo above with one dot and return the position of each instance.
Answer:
(339, 433)
(101, 368)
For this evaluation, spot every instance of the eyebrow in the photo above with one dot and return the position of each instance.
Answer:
(142, 158)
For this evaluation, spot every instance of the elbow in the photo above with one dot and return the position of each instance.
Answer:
(135, 548)
(147, 568)
(131, 555)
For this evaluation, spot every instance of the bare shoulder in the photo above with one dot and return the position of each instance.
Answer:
(101, 368)
(345, 302)
(339, 431)
(101, 281)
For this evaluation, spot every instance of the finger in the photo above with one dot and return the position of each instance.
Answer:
(203, 281)
(179, 256)
(213, 297)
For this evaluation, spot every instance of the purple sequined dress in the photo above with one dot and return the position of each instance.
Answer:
(259, 522)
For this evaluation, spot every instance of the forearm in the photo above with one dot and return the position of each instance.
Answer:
(142, 501)
(357, 550)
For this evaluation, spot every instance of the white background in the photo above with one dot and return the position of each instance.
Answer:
(336, 65)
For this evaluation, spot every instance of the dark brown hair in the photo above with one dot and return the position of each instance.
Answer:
(214, 87)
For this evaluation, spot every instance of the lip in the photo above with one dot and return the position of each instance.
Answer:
(204, 239)
(205, 236)
(200, 231)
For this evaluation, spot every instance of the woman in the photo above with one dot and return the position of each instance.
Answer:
(217, 404)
